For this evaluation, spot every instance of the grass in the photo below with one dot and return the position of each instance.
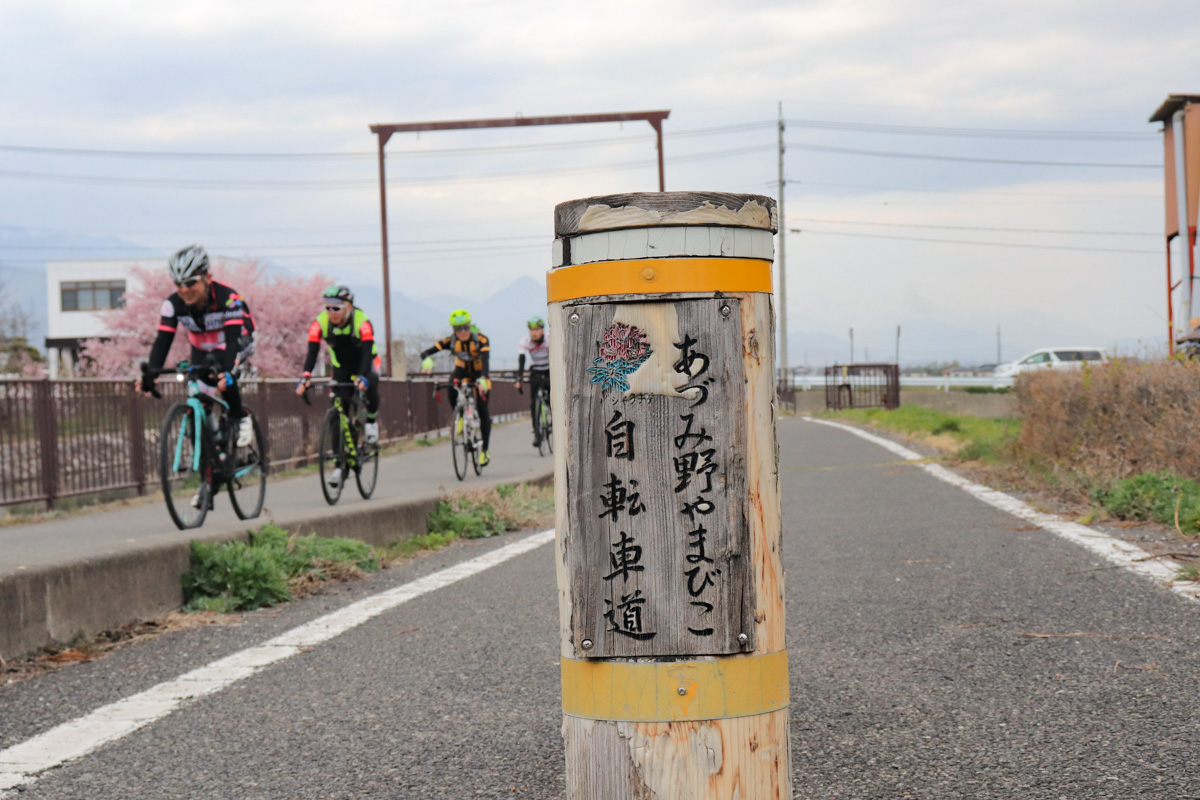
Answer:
(967, 438)
(1160, 496)
(274, 567)
(271, 568)
(479, 513)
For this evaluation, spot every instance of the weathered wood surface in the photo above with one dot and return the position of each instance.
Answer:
(685, 240)
(742, 757)
(659, 554)
(611, 212)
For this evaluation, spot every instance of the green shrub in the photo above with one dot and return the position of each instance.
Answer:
(247, 577)
(1156, 496)
(946, 426)
(987, 389)
(239, 576)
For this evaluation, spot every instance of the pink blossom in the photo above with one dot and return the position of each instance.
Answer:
(624, 343)
(283, 308)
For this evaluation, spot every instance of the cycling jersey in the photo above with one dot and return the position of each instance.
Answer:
(214, 327)
(538, 352)
(351, 346)
(470, 356)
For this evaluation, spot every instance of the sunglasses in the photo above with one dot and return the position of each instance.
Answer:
(188, 283)
(334, 309)
(461, 328)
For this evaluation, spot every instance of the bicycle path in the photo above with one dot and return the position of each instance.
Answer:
(419, 474)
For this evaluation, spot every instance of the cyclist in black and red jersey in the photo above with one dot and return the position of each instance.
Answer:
(217, 322)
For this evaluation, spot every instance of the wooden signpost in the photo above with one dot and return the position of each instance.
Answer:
(674, 670)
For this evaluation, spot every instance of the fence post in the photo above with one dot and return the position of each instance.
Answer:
(47, 434)
(137, 443)
(674, 670)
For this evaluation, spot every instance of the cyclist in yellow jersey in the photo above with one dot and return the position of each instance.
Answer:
(472, 352)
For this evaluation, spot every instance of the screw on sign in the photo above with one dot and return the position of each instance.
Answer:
(671, 613)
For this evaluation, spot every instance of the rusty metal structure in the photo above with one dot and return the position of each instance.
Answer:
(1180, 118)
(83, 436)
(862, 386)
(384, 132)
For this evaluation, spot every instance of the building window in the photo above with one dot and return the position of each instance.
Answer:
(92, 295)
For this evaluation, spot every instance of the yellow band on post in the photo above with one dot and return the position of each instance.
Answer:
(676, 691)
(655, 275)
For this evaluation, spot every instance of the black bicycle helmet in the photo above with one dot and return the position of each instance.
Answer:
(338, 292)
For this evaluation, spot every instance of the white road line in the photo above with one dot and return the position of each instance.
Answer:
(1115, 551)
(22, 764)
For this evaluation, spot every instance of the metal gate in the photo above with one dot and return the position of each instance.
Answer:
(862, 386)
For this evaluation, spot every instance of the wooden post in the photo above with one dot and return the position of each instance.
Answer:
(674, 670)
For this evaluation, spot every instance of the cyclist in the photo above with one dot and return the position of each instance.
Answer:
(471, 353)
(351, 341)
(217, 322)
(538, 349)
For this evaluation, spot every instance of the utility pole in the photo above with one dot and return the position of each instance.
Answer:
(897, 345)
(1187, 255)
(783, 328)
(852, 345)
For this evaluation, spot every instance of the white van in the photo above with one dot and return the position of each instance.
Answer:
(1053, 358)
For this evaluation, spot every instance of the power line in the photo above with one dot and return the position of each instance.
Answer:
(1032, 195)
(199, 183)
(327, 156)
(980, 133)
(401, 243)
(982, 244)
(973, 228)
(929, 157)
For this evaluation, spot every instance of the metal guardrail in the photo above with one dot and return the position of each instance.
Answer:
(79, 436)
(945, 383)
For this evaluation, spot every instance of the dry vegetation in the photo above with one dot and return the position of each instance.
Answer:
(1098, 426)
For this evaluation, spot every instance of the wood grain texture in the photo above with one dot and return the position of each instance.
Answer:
(654, 209)
(744, 757)
(687, 240)
(661, 563)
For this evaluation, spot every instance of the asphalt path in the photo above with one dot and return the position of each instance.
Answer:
(415, 474)
(909, 603)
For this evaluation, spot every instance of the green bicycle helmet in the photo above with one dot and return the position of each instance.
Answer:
(460, 316)
(339, 293)
(536, 322)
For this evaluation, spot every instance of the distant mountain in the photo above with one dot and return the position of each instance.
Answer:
(502, 316)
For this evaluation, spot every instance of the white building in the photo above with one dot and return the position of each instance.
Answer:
(75, 292)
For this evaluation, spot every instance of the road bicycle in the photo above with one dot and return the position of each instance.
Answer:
(198, 454)
(543, 420)
(466, 442)
(343, 447)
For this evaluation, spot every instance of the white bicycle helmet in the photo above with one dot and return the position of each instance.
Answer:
(188, 263)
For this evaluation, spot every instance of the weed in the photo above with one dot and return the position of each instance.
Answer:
(407, 548)
(973, 438)
(1189, 573)
(239, 576)
(479, 513)
(1161, 496)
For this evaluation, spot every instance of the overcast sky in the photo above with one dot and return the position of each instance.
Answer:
(470, 211)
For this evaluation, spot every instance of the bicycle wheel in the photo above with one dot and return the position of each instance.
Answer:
(475, 445)
(332, 456)
(459, 449)
(547, 426)
(247, 468)
(183, 466)
(367, 471)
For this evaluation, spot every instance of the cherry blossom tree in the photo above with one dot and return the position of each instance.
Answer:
(283, 306)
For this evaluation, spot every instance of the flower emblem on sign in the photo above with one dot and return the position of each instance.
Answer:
(622, 349)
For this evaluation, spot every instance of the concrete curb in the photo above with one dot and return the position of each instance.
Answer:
(61, 603)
